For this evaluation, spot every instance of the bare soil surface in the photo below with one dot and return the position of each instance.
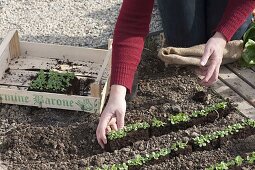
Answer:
(34, 138)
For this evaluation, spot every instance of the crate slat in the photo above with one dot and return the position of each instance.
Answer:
(5, 55)
(13, 87)
(37, 63)
(21, 78)
(50, 100)
(62, 52)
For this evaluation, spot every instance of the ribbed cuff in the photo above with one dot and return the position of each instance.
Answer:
(123, 75)
(234, 16)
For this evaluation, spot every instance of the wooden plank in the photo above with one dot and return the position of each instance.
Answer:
(19, 78)
(5, 52)
(80, 68)
(238, 85)
(242, 105)
(95, 87)
(104, 94)
(22, 78)
(104, 66)
(24, 63)
(14, 46)
(50, 100)
(253, 68)
(245, 74)
(13, 87)
(62, 52)
(4, 61)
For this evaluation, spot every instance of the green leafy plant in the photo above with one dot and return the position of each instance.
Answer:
(249, 34)
(40, 82)
(157, 123)
(249, 122)
(207, 110)
(117, 134)
(52, 81)
(138, 160)
(179, 145)
(55, 81)
(123, 132)
(251, 158)
(181, 117)
(237, 161)
(136, 126)
(248, 55)
(202, 140)
(141, 160)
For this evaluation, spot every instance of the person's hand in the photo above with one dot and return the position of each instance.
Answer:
(112, 118)
(212, 59)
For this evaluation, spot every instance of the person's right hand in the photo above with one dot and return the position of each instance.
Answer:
(115, 108)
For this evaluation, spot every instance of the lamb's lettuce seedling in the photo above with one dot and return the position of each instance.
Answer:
(202, 140)
(129, 128)
(53, 81)
(117, 134)
(40, 82)
(180, 117)
(239, 160)
(207, 110)
(251, 158)
(157, 123)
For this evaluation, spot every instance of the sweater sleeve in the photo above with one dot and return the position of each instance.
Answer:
(234, 16)
(128, 41)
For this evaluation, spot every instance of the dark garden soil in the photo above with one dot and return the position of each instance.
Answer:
(45, 139)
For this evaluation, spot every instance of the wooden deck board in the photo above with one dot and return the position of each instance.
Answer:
(242, 105)
(253, 68)
(246, 74)
(238, 85)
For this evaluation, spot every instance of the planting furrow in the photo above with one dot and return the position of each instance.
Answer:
(234, 164)
(176, 149)
(143, 131)
(219, 138)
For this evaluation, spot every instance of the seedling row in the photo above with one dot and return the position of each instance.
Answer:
(144, 130)
(235, 163)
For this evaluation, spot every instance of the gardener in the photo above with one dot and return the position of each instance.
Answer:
(186, 23)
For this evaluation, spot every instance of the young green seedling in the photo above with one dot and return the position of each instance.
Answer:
(157, 123)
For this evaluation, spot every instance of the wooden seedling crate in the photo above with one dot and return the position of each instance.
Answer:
(19, 61)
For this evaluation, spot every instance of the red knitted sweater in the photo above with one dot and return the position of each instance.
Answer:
(133, 26)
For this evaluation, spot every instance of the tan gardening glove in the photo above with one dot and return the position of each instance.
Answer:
(192, 55)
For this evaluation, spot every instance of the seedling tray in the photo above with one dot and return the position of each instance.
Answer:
(21, 61)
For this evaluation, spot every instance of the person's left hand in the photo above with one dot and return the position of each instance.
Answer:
(212, 58)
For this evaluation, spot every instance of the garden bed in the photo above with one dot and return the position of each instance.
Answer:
(37, 138)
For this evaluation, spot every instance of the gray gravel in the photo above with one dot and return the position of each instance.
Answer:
(78, 22)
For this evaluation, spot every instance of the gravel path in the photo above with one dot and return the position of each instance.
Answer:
(78, 22)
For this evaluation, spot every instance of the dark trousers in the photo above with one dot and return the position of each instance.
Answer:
(191, 22)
